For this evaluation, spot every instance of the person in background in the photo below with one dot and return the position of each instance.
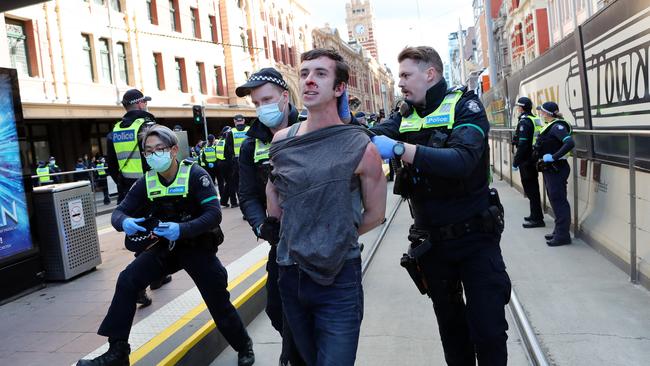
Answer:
(101, 181)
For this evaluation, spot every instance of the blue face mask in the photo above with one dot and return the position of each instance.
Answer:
(270, 114)
(161, 163)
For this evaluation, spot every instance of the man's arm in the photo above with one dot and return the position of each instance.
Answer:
(273, 208)
(390, 126)
(560, 132)
(203, 191)
(373, 189)
(249, 197)
(131, 206)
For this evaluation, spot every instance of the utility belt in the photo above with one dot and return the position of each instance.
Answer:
(552, 167)
(422, 240)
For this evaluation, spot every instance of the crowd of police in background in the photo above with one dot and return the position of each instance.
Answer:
(445, 184)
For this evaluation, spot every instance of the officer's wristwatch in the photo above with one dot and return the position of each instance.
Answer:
(398, 150)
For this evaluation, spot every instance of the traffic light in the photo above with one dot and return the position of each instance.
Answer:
(197, 113)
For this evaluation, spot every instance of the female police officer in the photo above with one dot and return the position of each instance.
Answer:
(552, 146)
(182, 196)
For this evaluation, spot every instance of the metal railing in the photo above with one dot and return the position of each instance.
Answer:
(499, 133)
(90, 172)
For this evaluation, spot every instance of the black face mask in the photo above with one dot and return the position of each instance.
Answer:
(240, 127)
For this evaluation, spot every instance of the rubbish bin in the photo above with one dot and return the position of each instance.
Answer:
(67, 230)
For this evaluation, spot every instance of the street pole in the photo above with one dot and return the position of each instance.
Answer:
(205, 122)
(463, 77)
(492, 59)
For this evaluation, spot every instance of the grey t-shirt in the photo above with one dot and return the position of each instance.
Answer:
(320, 197)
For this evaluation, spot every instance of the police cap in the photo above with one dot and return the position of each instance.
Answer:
(134, 96)
(259, 78)
(549, 107)
(525, 103)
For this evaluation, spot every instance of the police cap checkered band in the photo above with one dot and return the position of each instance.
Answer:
(265, 75)
(549, 107)
(134, 96)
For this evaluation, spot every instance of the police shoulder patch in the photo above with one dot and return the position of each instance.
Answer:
(473, 106)
(205, 181)
(560, 127)
(521, 128)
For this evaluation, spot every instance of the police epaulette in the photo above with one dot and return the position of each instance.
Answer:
(188, 161)
(462, 88)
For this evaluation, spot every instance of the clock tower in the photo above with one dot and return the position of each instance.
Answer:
(360, 22)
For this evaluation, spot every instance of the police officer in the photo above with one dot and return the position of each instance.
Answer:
(43, 171)
(209, 157)
(101, 178)
(441, 137)
(238, 137)
(526, 133)
(226, 162)
(269, 93)
(125, 163)
(182, 197)
(553, 144)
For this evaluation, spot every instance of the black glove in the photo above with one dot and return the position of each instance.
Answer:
(269, 230)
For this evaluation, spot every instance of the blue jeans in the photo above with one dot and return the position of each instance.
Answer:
(325, 320)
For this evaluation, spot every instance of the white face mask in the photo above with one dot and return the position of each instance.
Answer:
(270, 114)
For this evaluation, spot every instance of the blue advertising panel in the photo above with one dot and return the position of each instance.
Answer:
(15, 237)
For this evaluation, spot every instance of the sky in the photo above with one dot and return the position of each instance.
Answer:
(398, 23)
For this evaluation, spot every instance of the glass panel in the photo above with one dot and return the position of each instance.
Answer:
(105, 59)
(121, 63)
(179, 75)
(88, 57)
(115, 4)
(17, 46)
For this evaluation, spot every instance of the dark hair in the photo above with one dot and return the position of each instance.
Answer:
(342, 70)
(422, 54)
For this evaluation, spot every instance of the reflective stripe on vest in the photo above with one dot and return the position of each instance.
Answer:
(179, 187)
(102, 169)
(210, 153)
(261, 151)
(43, 175)
(125, 141)
(221, 149)
(538, 126)
(238, 138)
(442, 116)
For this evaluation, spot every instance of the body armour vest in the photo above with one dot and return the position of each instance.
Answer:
(125, 142)
(433, 130)
(547, 143)
(171, 203)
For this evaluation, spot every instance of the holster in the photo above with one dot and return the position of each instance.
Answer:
(410, 260)
(546, 167)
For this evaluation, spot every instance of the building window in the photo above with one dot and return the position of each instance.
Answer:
(284, 59)
(158, 66)
(115, 5)
(87, 57)
(200, 76)
(152, 11)
(18, 50)
(275, 50)
(266, 47)
(100, 2)
(174, 16)
(213, 29)
(122, 62)
(196, 24)
(218, 77)
(181, 76)
(243, 41)
(105, 60)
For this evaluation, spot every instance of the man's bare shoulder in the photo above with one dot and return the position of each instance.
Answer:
(370, 163)
(282, 134)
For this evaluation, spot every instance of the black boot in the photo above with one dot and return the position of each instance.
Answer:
(117, 355)
(246, 357)
(158, 284)
(143, 299)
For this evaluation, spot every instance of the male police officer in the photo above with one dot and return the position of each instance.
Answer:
(442, 137)
(209, 157)
(124, 160)
(181, 196)
(270, 95)
(553, 144)
(525, 137)
(238, 135)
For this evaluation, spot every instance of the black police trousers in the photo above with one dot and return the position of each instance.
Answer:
(206, 271)
(556, 182)
(475, 330)
(530, 183)
(274, 311)
(227, 171)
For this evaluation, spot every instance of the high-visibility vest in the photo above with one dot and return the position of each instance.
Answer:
(238, 138)
(43, 175)
(221, 149)
(553, 122)
(125, 141)
(101, 169)
(261, 151)
(538, 126)
(442, 116)
(179, 187)
(210, 153)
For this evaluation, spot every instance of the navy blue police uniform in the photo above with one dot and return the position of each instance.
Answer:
(254, 171)
(198, 214)
(555, 139)
(454, 214)
(226, 169)
(524, 160)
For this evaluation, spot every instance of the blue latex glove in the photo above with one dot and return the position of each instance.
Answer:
(514, 168)
(131, 227)
(548, 158)
(343, 107)
(385, 146)
(171, 232)
(211, 165)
